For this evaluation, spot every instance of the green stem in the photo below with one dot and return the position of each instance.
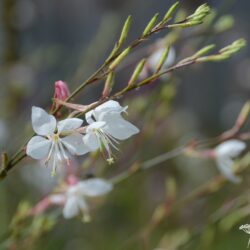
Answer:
(136, 167)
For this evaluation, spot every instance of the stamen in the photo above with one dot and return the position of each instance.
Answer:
(104, 140)
(64, 155)
(50, 153)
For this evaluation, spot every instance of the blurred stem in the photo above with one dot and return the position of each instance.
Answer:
(202, 191)
(138, 167)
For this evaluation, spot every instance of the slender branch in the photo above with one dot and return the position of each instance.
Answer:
(137, 167)
(99, 74)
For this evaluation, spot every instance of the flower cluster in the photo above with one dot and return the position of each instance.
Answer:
(56, 140)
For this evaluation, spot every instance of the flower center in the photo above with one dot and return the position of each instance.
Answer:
(55, 138)
(57, 153)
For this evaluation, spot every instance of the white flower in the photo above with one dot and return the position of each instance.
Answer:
(107, 126)
(224, 153)
(76, 196)
(55, 141)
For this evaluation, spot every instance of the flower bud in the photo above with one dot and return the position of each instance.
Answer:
(61, 90)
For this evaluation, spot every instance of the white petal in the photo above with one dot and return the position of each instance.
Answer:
(74, 144)
(95, 125)
(95, 187)
(230, 148)
(42, 122)
(226, 168)
(38, 147)
(82, 205)
(109, 106)
(118, 127)
(91, 141)
(69, 124)
(89, 117)
(71, 208)
(57, 199)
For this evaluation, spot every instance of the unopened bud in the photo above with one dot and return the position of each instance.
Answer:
(108, 85)
(244, 114)
(170, 12)
(137, 72)
(125, 31)
(61, 90)
(118, 60)
(150, 25)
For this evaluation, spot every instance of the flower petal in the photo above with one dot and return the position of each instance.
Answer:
(82, 205)
(89, 116)
(91, 140)
(71, 208)
(42, 122)
(225, 165)
(57, 199)
(109, 106)
(95, 187)
(230, 148)
(38, 147)
(119, 127)
(69, 124)
(95, 125)
(75, 145)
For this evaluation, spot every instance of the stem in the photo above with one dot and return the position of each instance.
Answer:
(136, 167)
(14, 161)
(93, 78)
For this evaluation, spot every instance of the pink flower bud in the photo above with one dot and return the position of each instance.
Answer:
(61, 90)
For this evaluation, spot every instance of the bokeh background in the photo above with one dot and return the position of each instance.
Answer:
(49, 40)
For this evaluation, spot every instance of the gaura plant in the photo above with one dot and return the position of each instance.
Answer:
(71, 130)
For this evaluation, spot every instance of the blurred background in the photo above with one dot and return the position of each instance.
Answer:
(49, 40)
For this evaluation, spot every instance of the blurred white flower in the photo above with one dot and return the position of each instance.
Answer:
(55, 141)
(107, 126)
(224, 155)
(154, 59)
(76, 196)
